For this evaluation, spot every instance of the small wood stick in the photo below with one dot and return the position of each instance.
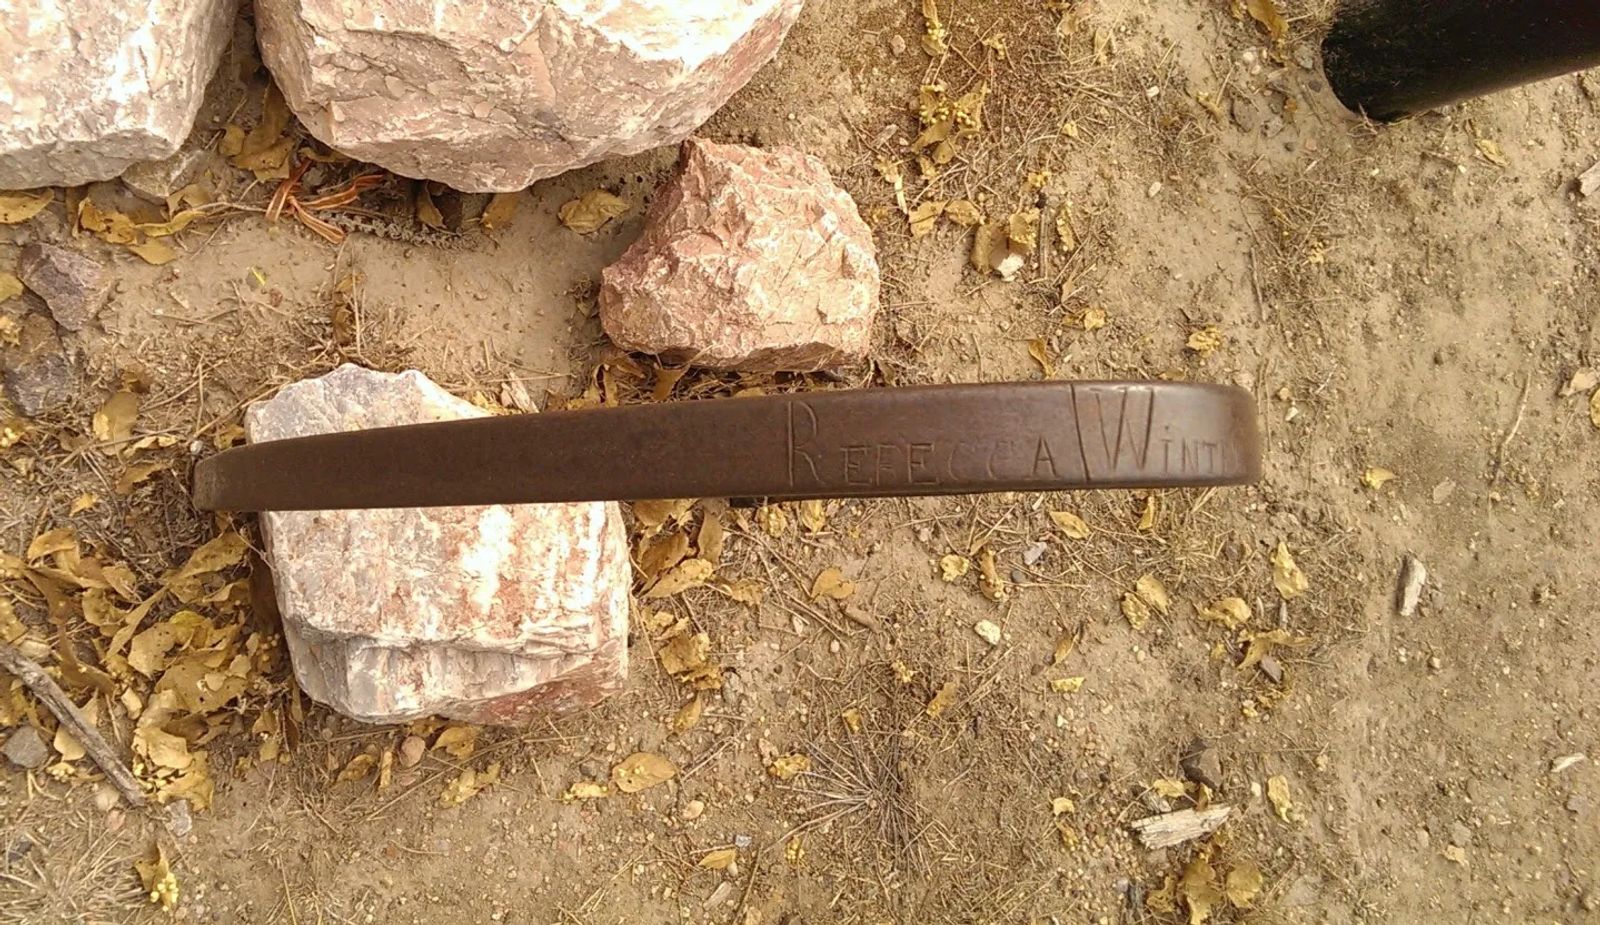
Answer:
(53, 697)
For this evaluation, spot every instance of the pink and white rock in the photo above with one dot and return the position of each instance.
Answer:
(487, 614)
(491, 95)
(751, 259)
(92, 86)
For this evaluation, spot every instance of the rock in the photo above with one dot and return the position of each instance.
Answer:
(178, 819)
(412, 748)
(1247, 114)
(1408, 593)
(490, 614)
(26, 749)
(73, 285)
(156, 180)
(96, 85)
(491, 97)
(39, 377)
(1589, 181)
(1202, 764)
(751, 260)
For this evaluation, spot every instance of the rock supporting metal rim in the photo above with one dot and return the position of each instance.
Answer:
(93, 86)
(751, 259)
(491, 96)
(487, 614)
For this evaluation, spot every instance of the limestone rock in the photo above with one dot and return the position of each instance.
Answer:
(491, 96)
(92, 86)
(486, 614)
(39, 375)
(73, 285)
(750, 259)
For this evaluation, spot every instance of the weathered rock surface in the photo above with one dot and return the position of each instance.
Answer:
(750, 259)
(489, 97)
(73, 285)
(92, 86)
(39, 376)
(25, 748)
(486, 614)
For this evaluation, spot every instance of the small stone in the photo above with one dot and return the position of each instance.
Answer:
(1202, 764)
(26, 748)
(178, 820)
(741, 841)
(490, 614)
(73, 285)
(1413, 578)
(491, 97)
(41, 383)
(93, 86)
(154, 181)
(1247, 114)
(897, 45)
(412, 749)
(750, 259)
(1589, 181)
(1272, 668)
(693, 810)
(988, 631)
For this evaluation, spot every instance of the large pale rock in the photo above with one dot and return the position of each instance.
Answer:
(750, 259)
(92, 86)
(491, 95)
(486, 614)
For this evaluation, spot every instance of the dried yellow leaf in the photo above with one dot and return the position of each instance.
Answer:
(115, 419)
(428, 213)
(691, 573)
(923, 217)
(773, 520)
(1169, 787)
(813, 515)
(1206, 340)
(1266, 13)
(16, 208)
(688, 715)
(133, 476)
(154, 252)
(1135, 610)
(1287, 577)
(1231, 612)
(720, 859)
(1376, 477)
(469, 783)
(1040, 351)
(1063, 649)
(708, 542)
(155, 873)
(592, 211)
(963, 212)
(852, 719)
(1067, 685)
(501, 209)
(1278, 793)
(457, 741)
(1147, 516)
(50, 542)
(358, 767)
(1491, 152)
(944, 698)
(1198, 887)
(585, 790)
(1154, 593)
(82, 503)
(833, 585)
(1243, 884)
(641, 771)
(788, 767)
(1061, 806)
(1094, 318)
(1071, 525)
(953, 567)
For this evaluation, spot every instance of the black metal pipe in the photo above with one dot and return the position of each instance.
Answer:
(1393, 58)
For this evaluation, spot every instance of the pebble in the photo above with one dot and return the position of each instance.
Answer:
(1202, 764)
(693, 810)
(411, 751)
(988, 631)
(741, 841)
(179, 822)
(26, 749)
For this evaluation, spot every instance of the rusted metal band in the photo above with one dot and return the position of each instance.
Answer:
(925, 440)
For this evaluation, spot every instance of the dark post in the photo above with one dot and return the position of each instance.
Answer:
(1393, 58)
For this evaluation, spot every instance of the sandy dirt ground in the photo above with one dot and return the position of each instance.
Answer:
(1410, 298)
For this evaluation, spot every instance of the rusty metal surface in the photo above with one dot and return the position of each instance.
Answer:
(925, 440)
